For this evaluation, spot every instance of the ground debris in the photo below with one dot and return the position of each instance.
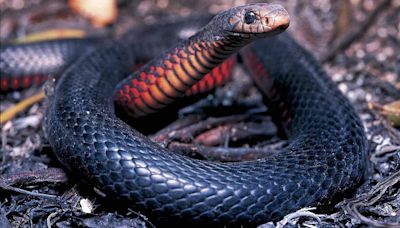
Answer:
(383, 200)
(112, 220)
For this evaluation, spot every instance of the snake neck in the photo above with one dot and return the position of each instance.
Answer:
(174, 72)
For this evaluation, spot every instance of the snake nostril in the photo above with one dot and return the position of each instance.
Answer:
(266, 20)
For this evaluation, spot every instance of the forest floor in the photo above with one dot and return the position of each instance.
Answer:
(357, 41)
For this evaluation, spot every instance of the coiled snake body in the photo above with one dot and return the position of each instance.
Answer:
(327, 146)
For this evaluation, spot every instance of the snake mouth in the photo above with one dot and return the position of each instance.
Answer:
(277, 19)
(283, 27)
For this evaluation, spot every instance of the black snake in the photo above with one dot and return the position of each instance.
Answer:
(326, 155)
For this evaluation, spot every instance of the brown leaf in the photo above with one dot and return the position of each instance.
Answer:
(390, 111)
(99, 12)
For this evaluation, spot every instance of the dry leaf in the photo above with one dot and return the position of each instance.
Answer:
(390, 111)
(99, 12)
(343, 21)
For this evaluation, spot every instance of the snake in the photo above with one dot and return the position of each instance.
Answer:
(327, 147)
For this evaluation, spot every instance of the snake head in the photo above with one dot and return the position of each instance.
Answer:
(259, 19)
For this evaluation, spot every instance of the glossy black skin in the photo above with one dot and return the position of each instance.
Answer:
(52, 57)
(326, 155)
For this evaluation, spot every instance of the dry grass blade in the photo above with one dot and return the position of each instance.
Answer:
(370, 198)
(21, 106)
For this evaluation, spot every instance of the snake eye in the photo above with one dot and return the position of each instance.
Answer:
(249, 17)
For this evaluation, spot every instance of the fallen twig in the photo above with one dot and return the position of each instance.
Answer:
(383, 154)
(49, 175)
(23, 191)
(355, 32)
(234, 132)
(304, 212)
(223, 154)
(186, 134)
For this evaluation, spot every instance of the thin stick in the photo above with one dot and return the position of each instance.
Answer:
(355, 32)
